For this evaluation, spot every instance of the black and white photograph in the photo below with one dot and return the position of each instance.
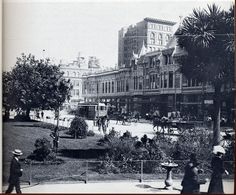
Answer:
(118, 96)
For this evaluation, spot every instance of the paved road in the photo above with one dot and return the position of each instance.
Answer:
(116, 187)
(136, 128)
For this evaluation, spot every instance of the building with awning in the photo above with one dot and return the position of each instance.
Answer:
(152, 81)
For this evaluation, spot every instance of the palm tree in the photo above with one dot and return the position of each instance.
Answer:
(207, 37)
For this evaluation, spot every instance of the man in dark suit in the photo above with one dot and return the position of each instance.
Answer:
(15, 173)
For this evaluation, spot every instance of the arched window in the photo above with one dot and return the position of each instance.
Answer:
(167, 37)
(68, 74)
(106, 87)
(74, 74)
(152, 38)
(160, 39)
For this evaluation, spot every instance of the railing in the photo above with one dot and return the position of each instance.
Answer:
(85, 171)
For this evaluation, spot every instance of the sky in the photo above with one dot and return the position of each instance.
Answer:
(60, 29)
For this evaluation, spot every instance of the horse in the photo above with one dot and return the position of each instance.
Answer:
(101, 123)
(121, 118)
(163, 123)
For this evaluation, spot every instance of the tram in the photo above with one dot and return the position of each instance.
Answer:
(92, 110)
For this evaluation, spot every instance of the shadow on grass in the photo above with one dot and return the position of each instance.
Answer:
(14, 121)
(25, 125)
(66, 137)
(82, 154)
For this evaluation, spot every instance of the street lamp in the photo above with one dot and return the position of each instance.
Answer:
(175, 90)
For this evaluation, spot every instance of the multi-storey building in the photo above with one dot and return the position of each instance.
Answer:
(153, 33)
(150, 79)
(74, 71)
(152, 82)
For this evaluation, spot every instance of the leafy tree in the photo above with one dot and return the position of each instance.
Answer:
(7, 89)
(207, 36)
(35, 83)
(78, 127)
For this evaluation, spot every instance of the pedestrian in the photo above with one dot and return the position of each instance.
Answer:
(55, 138)
(15, 173)
(191, 182)
(216, 183)
(103, 124)
(107, 121)
(42, 114)
(99, 123)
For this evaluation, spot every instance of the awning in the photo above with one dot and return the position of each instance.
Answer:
(190, 103)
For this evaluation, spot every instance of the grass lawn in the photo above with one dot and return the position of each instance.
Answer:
(74, 153)
(22, 135)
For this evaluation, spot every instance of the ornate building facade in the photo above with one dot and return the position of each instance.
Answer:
(74, 71)
(153, 33)
(152, 82)
(149, 81)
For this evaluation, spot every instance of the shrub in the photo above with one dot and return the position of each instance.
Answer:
(128, 151)
(197, 141)
(90, 133)
(42, 151)
(78, 128)
(22, 118)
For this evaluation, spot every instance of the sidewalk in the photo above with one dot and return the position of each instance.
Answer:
(156, 187)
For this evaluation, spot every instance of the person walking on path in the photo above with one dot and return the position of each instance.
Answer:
(42, 114)
(15, 173)
(55, 139)
(191, 182)
(216, 183)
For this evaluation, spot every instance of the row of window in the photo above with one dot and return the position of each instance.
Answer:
(72, 74)
(107, 87)
(138, 84)
(74, 92)
(191, 82)
(122, 86)
(154, 81)
(166, 80)
(159, 27)
(155, 48)
(75, 82)
(158, 38)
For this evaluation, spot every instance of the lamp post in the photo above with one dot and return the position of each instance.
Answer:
(175, 91)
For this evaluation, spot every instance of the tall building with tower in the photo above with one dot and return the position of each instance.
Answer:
(154, 34)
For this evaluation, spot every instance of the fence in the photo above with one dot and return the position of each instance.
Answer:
(85, 171)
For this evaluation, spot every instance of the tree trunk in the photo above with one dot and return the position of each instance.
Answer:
(7, 114)
(28, 113)
(216, 117)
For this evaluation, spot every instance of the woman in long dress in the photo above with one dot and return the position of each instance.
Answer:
(216, 183)
(191, 182)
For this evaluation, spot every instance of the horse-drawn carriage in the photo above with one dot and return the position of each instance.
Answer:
(172, 124)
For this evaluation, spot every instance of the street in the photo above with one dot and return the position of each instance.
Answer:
(136, 128)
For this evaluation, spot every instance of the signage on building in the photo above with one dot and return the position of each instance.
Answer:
(208, 101)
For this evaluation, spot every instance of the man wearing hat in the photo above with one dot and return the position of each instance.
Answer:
(15, 173)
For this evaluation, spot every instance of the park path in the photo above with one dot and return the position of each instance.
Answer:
(156, 187)
(136, 128)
